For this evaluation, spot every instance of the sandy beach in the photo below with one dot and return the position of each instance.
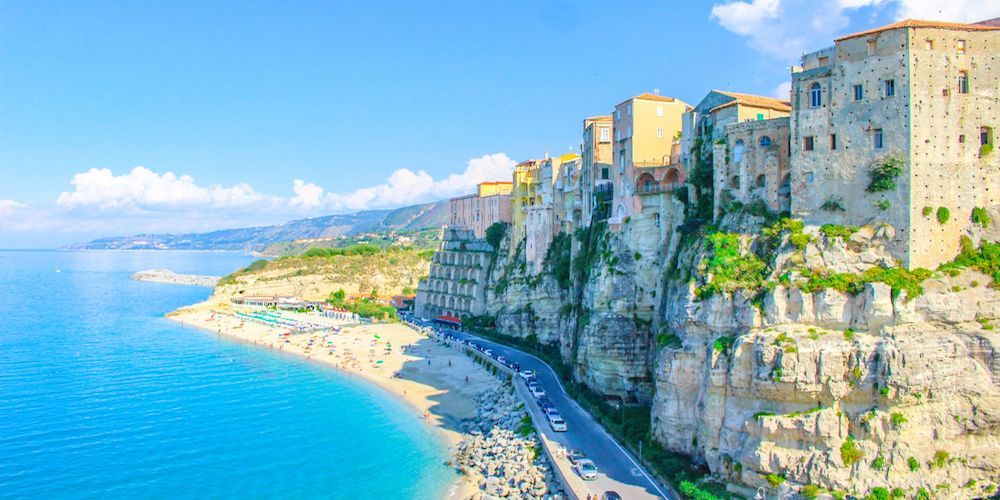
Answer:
(438, 382)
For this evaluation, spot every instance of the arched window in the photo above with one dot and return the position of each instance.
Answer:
(738, 151)
(765, 141)
(815, 96)
(621, 211)
(734, 182)
(760, 181)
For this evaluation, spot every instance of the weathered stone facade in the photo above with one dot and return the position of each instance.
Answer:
(754, 164)
(456, 283)
(898, 93)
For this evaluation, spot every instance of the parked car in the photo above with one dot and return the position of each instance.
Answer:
(544, 403)
(550, 411)
(537, 391)
(586, 469)
(515, 366)
(527, 374)
(574, 456)
(611, 495)
(557, 423)
(502, 360)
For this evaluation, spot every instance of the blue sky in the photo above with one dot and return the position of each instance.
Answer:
(266, 111)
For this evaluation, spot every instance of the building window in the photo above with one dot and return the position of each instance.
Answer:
(871, 47)
(618, 114)
(859, 92)
(605, 134)
(618, 135)
(604, 173)
(629, 133)
(985, 136)
(890, 88)
(809, 177)
(815, 96)
(807, 143)
(929, 44)
(659, 111)
(760, 116)
(765, 141)
(963, 82)
(877, 138)
(961, 138)
(659, 132)
(629, 110)
(824, 61)
(960, 48)
(738, 151)
(833, 141)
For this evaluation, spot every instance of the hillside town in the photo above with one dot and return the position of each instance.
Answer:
(917, 93)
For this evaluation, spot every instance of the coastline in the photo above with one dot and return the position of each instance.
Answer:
(438, 383)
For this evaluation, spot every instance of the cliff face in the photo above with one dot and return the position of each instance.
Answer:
(889, 381)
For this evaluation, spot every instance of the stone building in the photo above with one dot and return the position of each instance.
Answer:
(754, 164)
(456, 283)
(596, 159)
(916, 94)
(567, 194)
(490, 204)
(704, 127)
(645, 127)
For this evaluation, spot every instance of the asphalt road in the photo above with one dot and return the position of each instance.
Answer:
(618, 470)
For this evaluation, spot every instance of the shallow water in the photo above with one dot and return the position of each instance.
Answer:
(100, 396)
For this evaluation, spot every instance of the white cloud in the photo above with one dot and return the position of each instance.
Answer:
(406, 186)
(782, 91)
(963, 11)
(307, 194)
(785, 29)
(142, 189)
(10, 207)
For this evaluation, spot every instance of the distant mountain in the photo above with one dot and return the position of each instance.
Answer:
(255, 239)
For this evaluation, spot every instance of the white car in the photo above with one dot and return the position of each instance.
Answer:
(537, 391)
(502, 360)
(586, 469)
(526, 374)
(558, 424)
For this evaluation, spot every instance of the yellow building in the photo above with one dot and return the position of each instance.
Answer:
(645, 127)
(525, 194)
(494, 188)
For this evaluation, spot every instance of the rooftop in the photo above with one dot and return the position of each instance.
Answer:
(646, 96)
(757, 101)
(990, 25)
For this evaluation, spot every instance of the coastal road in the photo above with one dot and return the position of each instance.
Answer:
(618, 470)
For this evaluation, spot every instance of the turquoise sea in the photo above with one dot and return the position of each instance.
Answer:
(101, 396)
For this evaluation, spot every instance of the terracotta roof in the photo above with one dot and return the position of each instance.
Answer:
(757, 101)
(601, 118)
(648, 97)
(990, 22)
(917, 23)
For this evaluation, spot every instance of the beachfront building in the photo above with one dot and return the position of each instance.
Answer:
(705, 126)
(596, 158)
(918, 95)
(644, 127)
(490, 204)
(456, 283)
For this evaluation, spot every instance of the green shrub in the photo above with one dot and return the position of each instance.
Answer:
(970, 484)
(495, 234)
(878, 493)
(849, 334)
(838, 231)
(761, 414)
(913, 464)
(884, 391)
(833, 204)
(897, 493)
(774, 480)
(897, 419)
(985, 149)
(883, 204)
(980, 216)
(985, 259)
(800, 240)
(849, 452)
(692, 491)
(810, 491)
(723, 345)
(943, 215)
(923, 494)
(883, 173)
(940, 459)
(728, 269)
(668, 339)
(878, 463)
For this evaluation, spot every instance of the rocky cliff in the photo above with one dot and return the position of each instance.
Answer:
(796, 358)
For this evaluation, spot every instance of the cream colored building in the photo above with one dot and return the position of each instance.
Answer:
(595, 185)
(919, 92)
(644, 127)
(490, 204)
